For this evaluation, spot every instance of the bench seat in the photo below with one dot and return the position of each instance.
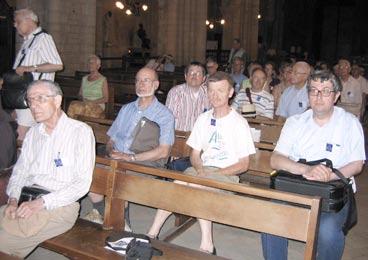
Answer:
(86, 241)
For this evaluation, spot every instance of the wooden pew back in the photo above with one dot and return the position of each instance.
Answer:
(251, 208)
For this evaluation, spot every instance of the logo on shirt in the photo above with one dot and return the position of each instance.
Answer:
(329, 147)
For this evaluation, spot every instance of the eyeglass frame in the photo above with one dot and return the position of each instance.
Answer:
(40, 99)
(322, 92)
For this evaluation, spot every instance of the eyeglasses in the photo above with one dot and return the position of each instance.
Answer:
(325, 92)
(194, 74)
(144, 81)
(298, 73)
(38, 99)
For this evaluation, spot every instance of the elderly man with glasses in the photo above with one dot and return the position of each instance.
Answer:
(294, 100)
(58, 155)
(318, 133)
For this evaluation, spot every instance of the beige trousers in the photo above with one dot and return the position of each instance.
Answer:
(61, 220)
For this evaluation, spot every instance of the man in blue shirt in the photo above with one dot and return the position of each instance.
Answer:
(294, 100)
(122, 136)
(147, 105)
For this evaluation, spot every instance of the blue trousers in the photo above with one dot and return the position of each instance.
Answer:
(330, 243)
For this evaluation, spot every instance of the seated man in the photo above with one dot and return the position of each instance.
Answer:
(262, 100)
(211, 66)
(237, 73)
(324, 131)
(294, 100)
(221, 142)
(121, 131)
(188, 100)
(58, 154)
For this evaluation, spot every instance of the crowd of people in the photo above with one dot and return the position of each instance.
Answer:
(58, 152)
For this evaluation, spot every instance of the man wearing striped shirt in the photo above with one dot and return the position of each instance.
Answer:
(58, 155)
(262, 100)
(187, 101)
(41, 58)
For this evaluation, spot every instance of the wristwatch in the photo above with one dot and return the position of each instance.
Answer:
(132, 158)
(35, 68)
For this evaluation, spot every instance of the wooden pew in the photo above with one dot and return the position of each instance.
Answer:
(251, 208)
(86, 240)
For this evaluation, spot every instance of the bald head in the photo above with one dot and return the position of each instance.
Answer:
(146, 82)
(300, 73)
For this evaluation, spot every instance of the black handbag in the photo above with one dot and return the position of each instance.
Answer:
(30, 193)
(334, 194)
(14, 89)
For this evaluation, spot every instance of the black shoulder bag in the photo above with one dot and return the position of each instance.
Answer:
(14, 89)
(334, 194)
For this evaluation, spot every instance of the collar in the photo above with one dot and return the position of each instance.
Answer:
(58, 126)
(31, 35)
(153, 103)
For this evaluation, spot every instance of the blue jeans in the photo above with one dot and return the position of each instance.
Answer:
(330, 243)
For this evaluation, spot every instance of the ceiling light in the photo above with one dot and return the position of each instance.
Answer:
(128, 12)
(207, 22)
(119, 4)
(211, 26)
(144, 7)
(222, 21)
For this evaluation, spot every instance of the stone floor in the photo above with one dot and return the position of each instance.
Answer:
(237, 243)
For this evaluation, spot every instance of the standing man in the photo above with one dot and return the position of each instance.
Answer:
(37, 55)
(58, 155)
(221, 142)
(294, 100)
(237, 51)
(324, 131)
(187, 101)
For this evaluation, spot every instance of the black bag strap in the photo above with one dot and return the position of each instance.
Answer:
(29, 46)
(329, 165)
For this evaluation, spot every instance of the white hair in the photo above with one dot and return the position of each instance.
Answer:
(27, 13)
(95, 58)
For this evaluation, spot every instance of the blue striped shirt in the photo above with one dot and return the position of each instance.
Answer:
(130, 114)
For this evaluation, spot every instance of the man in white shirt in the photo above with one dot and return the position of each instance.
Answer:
(221, 142)
(58, 155)
(324, 131)
(41, 58)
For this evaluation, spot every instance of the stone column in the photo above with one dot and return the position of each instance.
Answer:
(182, 29)
(242, 23)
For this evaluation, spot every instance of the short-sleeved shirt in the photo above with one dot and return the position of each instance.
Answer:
(351, 91)
(130, 114)
(262, 100)
(293, 101)
(341, 140)
(223, 141)
(187, 105)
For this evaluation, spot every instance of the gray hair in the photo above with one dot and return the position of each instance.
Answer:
(95, 58)
(51, 85)
(325, 75)
(27, 13)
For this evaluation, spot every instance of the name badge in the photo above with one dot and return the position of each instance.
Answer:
(300, 104)
(329, 147)
(213, 122)
(258, 98)
(57, 161)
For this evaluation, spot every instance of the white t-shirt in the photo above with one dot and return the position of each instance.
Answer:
(223, 141)
(341, 140)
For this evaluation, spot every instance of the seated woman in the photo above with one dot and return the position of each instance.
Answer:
(257, 97)
(93, 92)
